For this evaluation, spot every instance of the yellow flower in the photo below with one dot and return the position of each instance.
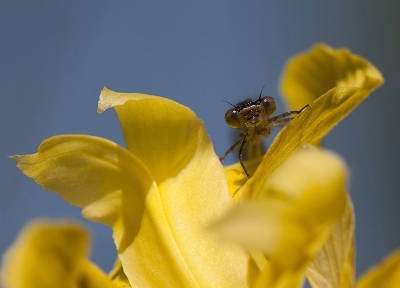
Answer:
(160, 193)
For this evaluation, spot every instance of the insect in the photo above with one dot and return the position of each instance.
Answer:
(252, 118)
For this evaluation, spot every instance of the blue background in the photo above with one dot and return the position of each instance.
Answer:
(56, 56)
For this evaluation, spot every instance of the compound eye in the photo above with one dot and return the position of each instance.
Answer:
(232, 118)
(269, 105)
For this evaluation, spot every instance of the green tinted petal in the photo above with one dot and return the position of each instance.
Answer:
(384, 275)
(333, 264)
(51, 254)
(311, 74)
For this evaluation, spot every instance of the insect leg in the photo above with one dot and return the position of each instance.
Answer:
(307, 106)
(242, 146)
(285, 117)
(234, 146)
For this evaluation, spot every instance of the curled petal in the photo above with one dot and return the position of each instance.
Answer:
(89, 172)
(309, 127)
(163, 134)
(311, 74)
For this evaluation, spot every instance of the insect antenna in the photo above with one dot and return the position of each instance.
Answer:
(259, 97)
(229, 103)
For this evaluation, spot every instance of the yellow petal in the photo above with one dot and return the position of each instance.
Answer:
(162, 133)
(309, 127)
(191, 190)
(89, 172)
(333, 265)
(310, 185)
(118, 276)
(95, 174)
(311, 74)
(93, 276)
(291, 219)
(51, 254)
(384, 275)
(236, 177)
